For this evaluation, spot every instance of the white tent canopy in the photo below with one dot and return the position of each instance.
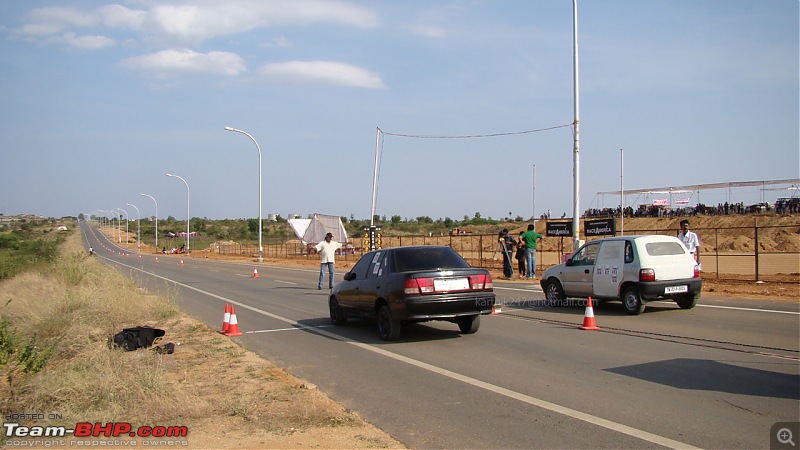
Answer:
(313, 230)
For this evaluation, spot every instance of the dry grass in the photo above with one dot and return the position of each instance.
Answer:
(227, 397)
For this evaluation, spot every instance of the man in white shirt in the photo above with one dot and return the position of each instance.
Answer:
(690, 240)
(327, 250)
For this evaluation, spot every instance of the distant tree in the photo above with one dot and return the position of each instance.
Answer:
(477, 215)
(252, 225)
(448, 222)
(396, 219)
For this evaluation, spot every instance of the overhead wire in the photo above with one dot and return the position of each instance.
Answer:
(472, 136)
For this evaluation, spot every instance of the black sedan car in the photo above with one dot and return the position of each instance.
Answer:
(413, 284)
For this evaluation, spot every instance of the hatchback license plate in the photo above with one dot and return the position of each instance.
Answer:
(676, 289)
(450, 284)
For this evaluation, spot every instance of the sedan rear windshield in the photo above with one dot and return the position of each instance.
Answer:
(416, 259)
(664, 248)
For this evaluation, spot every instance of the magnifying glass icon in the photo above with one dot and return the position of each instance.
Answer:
(784, 436)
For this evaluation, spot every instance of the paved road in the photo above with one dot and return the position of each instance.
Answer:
(717, 376)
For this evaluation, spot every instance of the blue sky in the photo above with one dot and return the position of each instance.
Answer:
(102, 99)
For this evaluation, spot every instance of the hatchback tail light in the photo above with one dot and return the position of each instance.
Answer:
(697, 271)
(647, 275)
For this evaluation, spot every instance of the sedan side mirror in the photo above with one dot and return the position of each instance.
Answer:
(349, 276)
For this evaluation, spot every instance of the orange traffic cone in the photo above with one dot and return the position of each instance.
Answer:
(226, 319)
(496, 309)
(181, 263)
(156, 258)
(233, 326)
(255, 272)
(588, 317)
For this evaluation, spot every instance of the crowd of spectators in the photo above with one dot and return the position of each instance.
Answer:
(782, 206)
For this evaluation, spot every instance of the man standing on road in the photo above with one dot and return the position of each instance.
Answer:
(530, 238)
(327, 250)
(690, 240)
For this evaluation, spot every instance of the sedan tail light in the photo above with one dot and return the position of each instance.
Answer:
(426, 285)
(480, 282)
(647, 275)
(418, 286)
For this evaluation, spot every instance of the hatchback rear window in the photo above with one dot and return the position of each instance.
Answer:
(664, 248)
(415, 259)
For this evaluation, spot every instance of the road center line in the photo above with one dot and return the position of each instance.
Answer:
(569, 412)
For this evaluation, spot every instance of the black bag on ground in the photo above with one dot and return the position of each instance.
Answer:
(137, 337)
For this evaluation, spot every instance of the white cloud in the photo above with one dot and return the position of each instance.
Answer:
(116, 16)
(85, 42)
(196, 21)
(167, 63)
(321, 72)
(61, 18)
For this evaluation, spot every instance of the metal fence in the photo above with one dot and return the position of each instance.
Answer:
(726, 253)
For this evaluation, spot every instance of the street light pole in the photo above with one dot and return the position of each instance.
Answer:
(127, 221)
(187, 208)
(119, 226)
(260, 254)
(154, 201)
(138, 230)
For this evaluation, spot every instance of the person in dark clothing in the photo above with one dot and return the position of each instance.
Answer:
(520, 255)
(507, 245)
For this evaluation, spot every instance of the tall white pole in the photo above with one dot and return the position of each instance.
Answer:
(138, 230)
(154, 201)
(576, 173)
(187, 208)
(119, 226)
(375, 177)
(534, 193)
(622, 191)
(127, 221)
(260, 250)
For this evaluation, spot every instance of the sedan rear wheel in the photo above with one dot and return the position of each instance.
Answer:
(388, 328)
(469, 324)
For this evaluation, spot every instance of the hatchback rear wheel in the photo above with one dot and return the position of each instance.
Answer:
(632, 300)
(687, 301)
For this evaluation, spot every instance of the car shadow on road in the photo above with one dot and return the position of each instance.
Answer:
(366, 330)
(709, 375)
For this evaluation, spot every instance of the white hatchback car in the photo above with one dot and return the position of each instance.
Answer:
(634, 269)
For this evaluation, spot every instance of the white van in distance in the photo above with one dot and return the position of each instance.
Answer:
(634, 269)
